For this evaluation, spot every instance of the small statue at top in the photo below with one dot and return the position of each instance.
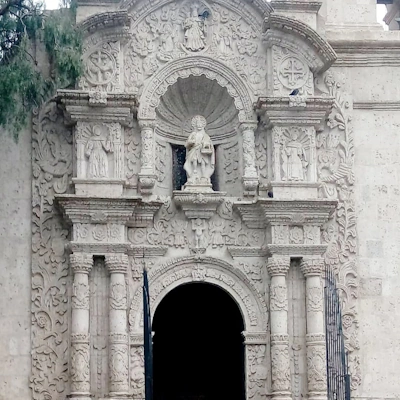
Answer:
(200, 154)
(194, 31)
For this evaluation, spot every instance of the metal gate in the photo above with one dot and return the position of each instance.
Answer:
(338, 377)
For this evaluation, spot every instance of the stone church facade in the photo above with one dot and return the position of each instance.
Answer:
(246, 145)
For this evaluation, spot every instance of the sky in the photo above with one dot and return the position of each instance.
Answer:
(380, 9)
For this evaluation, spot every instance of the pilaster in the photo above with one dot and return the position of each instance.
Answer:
(81, 264)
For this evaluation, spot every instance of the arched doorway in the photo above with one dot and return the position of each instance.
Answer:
(198, 346)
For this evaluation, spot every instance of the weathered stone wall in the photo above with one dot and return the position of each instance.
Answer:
(15, 266)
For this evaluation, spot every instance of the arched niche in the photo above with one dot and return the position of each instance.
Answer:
(212, 69)
(166, 277)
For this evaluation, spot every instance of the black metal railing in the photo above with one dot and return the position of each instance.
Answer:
(338, 377)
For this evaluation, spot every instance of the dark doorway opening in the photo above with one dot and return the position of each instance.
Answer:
(198, 346)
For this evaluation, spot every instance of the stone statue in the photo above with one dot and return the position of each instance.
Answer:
(96, 150)
(294, 159)
(200, 154)
(194, 31)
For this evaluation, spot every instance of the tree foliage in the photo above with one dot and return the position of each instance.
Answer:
(28, 75)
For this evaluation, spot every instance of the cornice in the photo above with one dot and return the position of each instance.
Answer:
(263, 212)
(79, 209)
(310, 6)
(242, 251)
(147, 251)
(98, 249)
(291, 26)
(377, 105)
(285, 111)
(296, 250)
(89, 105)
(106, 20)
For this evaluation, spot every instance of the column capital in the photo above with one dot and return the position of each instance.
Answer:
(81, 262)
(117, 263)
(248, 126)
(278, 266)
(147, 123)
(312, 266)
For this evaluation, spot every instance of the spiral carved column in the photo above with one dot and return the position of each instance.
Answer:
(81, 265)
(315, 338)
(117, 265)
(278, 268)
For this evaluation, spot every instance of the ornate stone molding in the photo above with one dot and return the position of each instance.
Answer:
(311, 267)
(165, 277)
(117, 263)
(278, 266)
(195, 65)
(324, 55)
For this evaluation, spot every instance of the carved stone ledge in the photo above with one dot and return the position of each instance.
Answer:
(80, 106)
(297, 250)
(94, 187)
(80, 209)
(297, 190)
(260, 213)
(315, 338)
(143, 216)
(311, 6)
(197, 204)
(255, 337)
(243, 251)
(136, 339)
(147, 251)
(277, 111)
(99, 249)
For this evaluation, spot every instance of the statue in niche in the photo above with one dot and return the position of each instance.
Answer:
(294, 159)
(200, 154)
(96, 150)
(194, 31)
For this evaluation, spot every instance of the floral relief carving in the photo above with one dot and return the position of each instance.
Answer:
(231, 163)
(281, 367)
(119, 374)
(52, 170)
(80, 295)
(316, 368)
(314, 299)
(118, 296)
(80, 368)
(296, 235)
(161, 161)
(278, 298)
(261, 157)
(99, 232)
(311, 234)
(137, 372)
(281, 234)
(257, 371)
(335, 150)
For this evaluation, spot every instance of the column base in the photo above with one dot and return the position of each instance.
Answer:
(281, 395)
(80, 396)
(317, 396)
(118, 396)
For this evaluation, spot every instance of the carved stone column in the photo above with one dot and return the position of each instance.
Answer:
(315, 338)
(147, 177)
(250, 177)
(117, 265)
(278, 268)
(81, 265)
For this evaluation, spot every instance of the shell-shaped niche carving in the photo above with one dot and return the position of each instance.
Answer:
(196, 95)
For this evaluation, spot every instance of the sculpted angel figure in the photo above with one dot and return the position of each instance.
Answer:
(200, 154)
(96, 150)
(194, 31)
